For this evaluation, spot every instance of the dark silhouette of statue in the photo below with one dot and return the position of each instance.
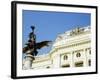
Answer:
(31, 46)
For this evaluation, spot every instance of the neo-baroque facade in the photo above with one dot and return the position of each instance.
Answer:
(70, 49)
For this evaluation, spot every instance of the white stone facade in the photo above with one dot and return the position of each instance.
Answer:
(70, 49)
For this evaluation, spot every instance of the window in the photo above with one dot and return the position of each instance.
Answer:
(48, 67)
(64, 66)
(65, 57)
(89, 62)
(78, 55)
(79, 64)
(89, 51)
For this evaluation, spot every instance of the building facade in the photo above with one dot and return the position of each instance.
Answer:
(70, 49)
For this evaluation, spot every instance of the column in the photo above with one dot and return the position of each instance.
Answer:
(72, 59)
(85, 57)
(28, 61)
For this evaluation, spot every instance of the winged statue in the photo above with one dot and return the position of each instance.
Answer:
(31, 46)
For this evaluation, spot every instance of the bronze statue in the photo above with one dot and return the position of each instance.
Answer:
(32, 46)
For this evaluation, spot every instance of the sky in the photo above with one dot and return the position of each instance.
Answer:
(49, 24)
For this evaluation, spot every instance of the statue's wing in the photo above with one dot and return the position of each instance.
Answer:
(42, 44)
(25, 49)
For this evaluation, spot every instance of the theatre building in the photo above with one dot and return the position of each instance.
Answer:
(70, 49)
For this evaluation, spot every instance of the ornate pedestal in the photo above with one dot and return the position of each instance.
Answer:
(28, 61)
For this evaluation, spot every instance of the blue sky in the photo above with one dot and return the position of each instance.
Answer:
(49, 24)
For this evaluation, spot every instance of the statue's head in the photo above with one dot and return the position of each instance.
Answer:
(32, 27)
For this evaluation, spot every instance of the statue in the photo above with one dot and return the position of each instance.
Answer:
(31, 46)
(76, 31)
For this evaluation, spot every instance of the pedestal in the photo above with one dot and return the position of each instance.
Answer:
(28, 61)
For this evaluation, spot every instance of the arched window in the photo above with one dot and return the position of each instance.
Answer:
(65, 57)
(78, 55)
(89, 51)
